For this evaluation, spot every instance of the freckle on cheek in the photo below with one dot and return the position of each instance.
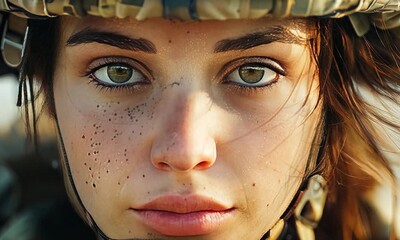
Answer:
(104, 130)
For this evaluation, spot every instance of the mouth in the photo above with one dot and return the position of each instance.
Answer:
(177, 215)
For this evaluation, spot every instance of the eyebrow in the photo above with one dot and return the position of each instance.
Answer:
(90, 35)
(273, 34)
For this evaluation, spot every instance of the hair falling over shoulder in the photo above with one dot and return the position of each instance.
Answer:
(354, 152)
(358, 135)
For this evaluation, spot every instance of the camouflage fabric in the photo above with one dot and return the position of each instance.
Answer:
(385, 13)
(201, 9)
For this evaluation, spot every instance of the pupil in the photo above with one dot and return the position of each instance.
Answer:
(251, 74)
(119, 74)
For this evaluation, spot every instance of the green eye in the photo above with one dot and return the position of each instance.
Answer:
(251, 74)
(119, 73)
(255, 74)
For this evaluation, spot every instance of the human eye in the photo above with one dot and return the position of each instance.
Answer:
(117, 72)
(253, 73)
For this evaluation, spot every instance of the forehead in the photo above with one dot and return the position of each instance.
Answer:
(159, 27)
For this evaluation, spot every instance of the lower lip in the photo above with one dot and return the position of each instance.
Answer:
(184, 224)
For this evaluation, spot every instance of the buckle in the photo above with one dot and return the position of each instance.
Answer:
(13, 40)
(4, 5)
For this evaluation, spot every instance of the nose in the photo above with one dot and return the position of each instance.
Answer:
(184, 141)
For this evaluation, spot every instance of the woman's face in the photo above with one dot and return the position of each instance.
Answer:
(189, 130)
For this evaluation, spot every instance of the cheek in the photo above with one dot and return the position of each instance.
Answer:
(268, 159)
(103, 164)
(272, 163)
(101, 154)
(99, 151)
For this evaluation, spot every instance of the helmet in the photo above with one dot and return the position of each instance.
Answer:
(384, 14)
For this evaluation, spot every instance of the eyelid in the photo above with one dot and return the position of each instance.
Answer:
(267, 61)
(105, 61)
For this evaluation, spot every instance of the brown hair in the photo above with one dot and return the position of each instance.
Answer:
(350, 155)
(353, 160)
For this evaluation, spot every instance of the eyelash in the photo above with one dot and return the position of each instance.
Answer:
(107, 61)
(229, 68)
(270, 63)
(247, 90)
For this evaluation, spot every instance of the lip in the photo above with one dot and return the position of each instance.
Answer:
(184, 215)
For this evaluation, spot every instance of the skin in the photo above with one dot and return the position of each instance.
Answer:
(186, 131)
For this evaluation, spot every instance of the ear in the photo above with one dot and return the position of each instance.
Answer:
(309, 210)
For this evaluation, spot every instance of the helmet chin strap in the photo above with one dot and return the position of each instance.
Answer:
(71, 189)
(304, 212)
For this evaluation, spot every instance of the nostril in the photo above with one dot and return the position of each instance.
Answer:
(163, 166)
(203, 165)
(185, 155)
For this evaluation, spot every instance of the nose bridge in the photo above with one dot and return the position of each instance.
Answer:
(189, 108)
(185, 139)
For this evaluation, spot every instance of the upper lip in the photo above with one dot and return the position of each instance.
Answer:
(183, 204)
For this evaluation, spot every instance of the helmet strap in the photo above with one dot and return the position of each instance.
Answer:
(304, 214)
(71, 188)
